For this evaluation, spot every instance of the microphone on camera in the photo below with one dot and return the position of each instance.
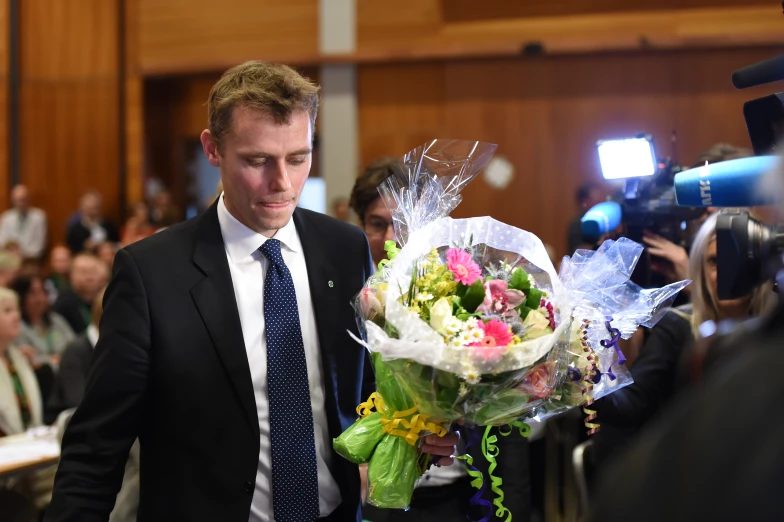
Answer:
(733, 183)
(766, 71)
(601, 219)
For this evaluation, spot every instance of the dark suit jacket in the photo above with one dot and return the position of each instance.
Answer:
(170, 367)
(77, 234)
(71, 377)
(73, 309)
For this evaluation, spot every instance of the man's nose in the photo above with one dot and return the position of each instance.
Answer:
(279, 181)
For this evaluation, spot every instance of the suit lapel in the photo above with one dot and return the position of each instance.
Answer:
(325, 293)
(217, 305)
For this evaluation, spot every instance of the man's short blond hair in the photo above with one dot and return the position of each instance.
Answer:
(274, 89)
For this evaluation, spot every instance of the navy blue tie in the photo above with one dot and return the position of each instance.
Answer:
(295, 496)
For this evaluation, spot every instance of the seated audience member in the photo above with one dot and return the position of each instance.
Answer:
(88, 275)
(105, 252)
(44, 333)
(59, 272)
(91, 228)
(20, 409)
(75, 365)
(24, 225)
(164, 213)
(138, 225)
(20, 398)
(10, 264)
(656, 371)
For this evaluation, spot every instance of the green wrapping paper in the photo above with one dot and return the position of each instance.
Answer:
(359, 441)
(386, 441)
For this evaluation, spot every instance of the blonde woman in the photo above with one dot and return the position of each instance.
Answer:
(656, 371)
(20, 398)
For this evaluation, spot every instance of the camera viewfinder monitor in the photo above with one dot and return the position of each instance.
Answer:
(627, 158)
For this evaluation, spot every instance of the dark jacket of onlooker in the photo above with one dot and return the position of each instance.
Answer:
(75, 310)
(78, 234)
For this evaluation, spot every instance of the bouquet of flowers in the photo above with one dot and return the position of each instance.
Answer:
(470, 322)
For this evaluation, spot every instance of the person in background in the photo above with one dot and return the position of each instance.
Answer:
(164, 213)
(75, 365)
(24, 225)
(21, 408)
(91, 228)
(442, 493)
(657, 370)
(586, 196)
(59, 272)
(88, 275)
(138, 225)
(374, 216)
(341, 209)
(44, 334)
(105, 252)
(10, 264)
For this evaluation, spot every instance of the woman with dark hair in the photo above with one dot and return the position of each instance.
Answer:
(44, 334)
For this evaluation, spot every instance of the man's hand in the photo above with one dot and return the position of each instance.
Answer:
(675, 254)
(444, 447)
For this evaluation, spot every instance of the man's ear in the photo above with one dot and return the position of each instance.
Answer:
(210, 148)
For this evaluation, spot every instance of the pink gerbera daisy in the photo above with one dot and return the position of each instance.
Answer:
(493, 345)
(464, 268)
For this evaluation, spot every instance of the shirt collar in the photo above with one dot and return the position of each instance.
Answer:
(242, 242)
(92, 334)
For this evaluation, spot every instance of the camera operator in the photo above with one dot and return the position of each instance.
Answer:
(673, 260)
(623, 414)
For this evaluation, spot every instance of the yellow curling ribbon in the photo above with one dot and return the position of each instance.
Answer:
(400, 425)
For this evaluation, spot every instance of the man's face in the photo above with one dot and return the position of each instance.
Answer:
(88, 276)
(91, 206)
(263, 165)
(378, 229)
(20, 198)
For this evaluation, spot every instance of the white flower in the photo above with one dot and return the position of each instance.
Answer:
(472, 322)
(423, 297)
(536, 325)
(455, 326)
(441, 315)
(465, 337)
(476, 334)
(471, 377)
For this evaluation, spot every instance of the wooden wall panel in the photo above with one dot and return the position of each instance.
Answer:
(471, 11)
(432, 28)
(69, 104)
(4, 116)
(202, 35)
(546, 115)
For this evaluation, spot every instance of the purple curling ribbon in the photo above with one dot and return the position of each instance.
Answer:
(474, 439)
(613, 342)
(573, 374)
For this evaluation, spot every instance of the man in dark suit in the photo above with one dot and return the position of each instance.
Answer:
(224, 342)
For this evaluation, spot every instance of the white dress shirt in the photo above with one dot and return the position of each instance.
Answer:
(29, 231)
(248, 269)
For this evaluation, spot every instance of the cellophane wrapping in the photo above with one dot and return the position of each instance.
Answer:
(474, 324)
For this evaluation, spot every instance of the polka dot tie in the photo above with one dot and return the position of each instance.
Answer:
(295, 496)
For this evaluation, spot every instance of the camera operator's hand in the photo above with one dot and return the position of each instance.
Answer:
(675, 254)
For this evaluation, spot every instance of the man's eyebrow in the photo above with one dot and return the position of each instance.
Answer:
(267, 155)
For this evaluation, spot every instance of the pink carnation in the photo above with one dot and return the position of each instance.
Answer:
(464, 268)
(493, 345)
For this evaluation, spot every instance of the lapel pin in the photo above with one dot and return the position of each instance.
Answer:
(331, 284)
